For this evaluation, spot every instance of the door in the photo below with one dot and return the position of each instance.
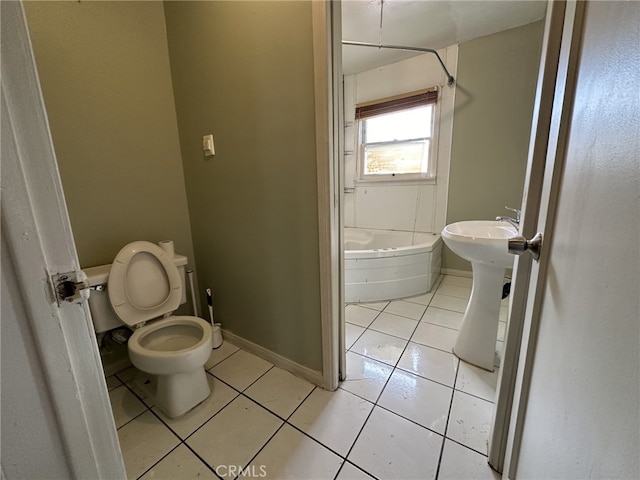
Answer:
(575, 409)
(56, 415)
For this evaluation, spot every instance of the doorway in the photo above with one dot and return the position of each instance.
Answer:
(372, 320)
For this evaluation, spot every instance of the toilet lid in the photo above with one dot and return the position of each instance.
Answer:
(144, 283)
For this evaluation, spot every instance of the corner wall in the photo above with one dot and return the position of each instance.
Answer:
(495, 92)
(243, 71)
(104, 71)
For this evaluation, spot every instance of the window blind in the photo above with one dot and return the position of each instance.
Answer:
(371, 109)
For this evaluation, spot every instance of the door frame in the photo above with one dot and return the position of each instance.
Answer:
(39, 241)
(536, 162)
(328, 87)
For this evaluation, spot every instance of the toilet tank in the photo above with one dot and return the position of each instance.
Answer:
(102, 314)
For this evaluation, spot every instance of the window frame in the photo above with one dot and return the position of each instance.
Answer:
(397, 104)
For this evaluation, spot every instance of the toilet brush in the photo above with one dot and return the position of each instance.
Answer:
(215, 327)
(210, 304)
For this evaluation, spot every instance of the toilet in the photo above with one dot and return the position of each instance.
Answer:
(144, 287)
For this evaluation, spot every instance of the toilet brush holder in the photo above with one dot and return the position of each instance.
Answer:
(216, 332)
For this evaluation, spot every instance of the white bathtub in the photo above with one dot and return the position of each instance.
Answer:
(389, 264)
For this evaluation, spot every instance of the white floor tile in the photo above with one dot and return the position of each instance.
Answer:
(234, 435)
(449, 303)
(429, 363)
(127, 375)
(444, 318)
(365, 377)
(455, 280)
(393, 447)
(504, 313)
(292, 455)
(476, 381)
(125, 405)
(143, 442)
(374, 305)
(135, 380)
(360, 316)
(180, 464)
(188, 423)
(351, 334)
(241, 369)
(418, 399)
(423, 299)
(113, 382)
(394, 325)
(332, 418)
(405, 309)
(435, 336)
(379, 346)
(459, 462)
(279, 391)
(470, 421)
(220, 353)
(454, 291)
(236, 429)
(350, 472)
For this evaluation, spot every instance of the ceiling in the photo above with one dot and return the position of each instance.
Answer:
(424, 23)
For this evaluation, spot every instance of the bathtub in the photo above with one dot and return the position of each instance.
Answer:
(389, 264)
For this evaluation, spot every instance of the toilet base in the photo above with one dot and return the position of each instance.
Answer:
(176, 394)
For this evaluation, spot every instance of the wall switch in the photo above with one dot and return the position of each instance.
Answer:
(207, 145)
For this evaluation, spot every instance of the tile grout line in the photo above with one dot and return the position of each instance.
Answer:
(365, 328)
(286, 421)
(446, 427)
(375, 404)
(394, 368)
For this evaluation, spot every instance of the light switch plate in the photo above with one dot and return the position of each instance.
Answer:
(207, 145)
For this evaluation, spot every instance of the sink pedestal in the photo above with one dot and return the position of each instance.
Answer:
(485, 243)
(476, 341)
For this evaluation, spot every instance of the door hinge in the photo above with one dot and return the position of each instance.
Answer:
(70, 287)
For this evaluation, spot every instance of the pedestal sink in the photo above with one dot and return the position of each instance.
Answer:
(485, 244)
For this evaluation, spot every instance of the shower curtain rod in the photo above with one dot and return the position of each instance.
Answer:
(450, 78)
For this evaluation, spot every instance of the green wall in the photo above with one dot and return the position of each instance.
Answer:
(106, 81)
(496, 83)
(243, 71)
(131, 88)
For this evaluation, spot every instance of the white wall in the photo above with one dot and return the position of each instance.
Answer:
(411, 206)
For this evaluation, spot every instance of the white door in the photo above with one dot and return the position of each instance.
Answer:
(56, 415)
(576, 407)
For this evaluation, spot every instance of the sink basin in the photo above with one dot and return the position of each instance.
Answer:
(485, 243)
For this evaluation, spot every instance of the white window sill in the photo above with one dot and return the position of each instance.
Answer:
(396, 181)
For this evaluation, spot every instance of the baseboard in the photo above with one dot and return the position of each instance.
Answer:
(456, 273)
(279, 361)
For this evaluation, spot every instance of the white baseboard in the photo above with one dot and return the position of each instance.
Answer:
(456, 273)
(298, 370)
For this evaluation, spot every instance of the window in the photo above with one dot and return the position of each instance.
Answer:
(397, 138)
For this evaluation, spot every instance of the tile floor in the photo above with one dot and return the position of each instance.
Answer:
(409, 409)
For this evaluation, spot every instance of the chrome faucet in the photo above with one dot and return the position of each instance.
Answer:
(513, 221)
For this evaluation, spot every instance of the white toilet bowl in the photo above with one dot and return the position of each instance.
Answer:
(145, 286)
(175, 349)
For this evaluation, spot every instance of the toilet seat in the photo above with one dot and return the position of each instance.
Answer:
(144, 283)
